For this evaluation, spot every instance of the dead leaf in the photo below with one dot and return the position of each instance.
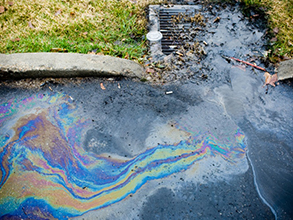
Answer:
(217, 19)
(15, 40)
(72, 14)
(270, 79)
(10, 3)
(126, 56)
(30, 25)
(58, 12)
(274, 79)
(102, 86)
(274, 39)
(276, 30)
(58, 50)
(286, 58)
(149, 70)
(2, 9)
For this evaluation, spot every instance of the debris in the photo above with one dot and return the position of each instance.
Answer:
(204, 76)
(276, 30)
(2, 9)
(168, 92)
(149, 70)
(31, 25)
(180, 54)
(270, 79)
(217, 19)
(10, 3)
(110, 79)
(119, 87)
(102, 86)
(94, 51)
(50, 88)
(58, 12)
(16, 39)
(250, 64)
(58, 50)
(44, 83)
(71, 98)
(160, 66)
(205, 43)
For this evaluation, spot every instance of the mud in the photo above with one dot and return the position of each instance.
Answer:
(222, 30)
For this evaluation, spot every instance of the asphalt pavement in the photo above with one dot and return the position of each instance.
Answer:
(131, 151)
(119, 148)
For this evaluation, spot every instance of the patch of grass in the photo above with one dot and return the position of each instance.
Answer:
(110, 27)
(279, 14)
(280, 18)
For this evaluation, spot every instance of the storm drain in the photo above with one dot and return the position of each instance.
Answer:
(179, 25)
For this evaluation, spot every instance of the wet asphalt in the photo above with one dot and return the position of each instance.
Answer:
(129, 117)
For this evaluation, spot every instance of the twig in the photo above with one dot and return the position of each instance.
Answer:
(250, 64)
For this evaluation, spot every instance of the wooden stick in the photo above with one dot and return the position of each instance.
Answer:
(250, 64)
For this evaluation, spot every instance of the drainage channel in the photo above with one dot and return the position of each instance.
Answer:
(178, 25)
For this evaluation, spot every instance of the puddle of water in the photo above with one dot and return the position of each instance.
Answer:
(46, 170)
(266, 119)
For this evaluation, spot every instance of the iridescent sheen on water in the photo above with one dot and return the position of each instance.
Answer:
(46, 173)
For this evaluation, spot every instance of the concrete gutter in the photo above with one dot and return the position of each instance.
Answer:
(42, 65)
(285, 70)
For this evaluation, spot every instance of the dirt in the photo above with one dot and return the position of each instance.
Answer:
(216, 30)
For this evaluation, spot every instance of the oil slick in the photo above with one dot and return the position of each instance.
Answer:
(46, 173)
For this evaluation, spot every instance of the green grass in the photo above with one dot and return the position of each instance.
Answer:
(110, 27)
(280, 16)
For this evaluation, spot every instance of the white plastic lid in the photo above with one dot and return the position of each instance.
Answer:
(154, 36)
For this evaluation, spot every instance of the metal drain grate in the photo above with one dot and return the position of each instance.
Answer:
(172, 23)
(170, 30)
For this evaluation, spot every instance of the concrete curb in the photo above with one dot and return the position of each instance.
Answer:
(285, 70)
(42, 65)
